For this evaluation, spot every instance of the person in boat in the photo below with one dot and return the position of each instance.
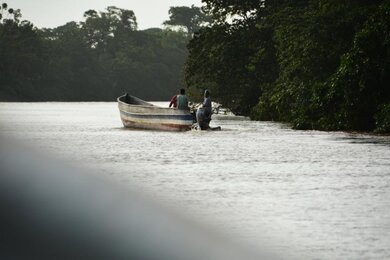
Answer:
(174, 100)
(182, 101)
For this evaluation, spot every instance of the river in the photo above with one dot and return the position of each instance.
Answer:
(306, 194)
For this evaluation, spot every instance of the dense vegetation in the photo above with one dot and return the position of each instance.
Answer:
(319, 64)
(99, 58)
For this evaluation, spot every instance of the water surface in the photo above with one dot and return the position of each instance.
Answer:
(306, 194)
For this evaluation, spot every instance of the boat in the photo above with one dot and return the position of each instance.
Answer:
(137, 113)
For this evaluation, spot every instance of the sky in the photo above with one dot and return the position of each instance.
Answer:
(52, 13)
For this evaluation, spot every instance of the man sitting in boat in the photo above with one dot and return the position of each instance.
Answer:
(174, 100)
(182, 101)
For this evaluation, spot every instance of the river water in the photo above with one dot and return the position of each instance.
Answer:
(305, 194)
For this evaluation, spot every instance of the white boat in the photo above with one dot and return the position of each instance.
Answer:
(137, 113)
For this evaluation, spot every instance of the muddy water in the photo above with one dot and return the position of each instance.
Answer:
(306, 194)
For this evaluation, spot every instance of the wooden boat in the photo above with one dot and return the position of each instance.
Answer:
(137, 113)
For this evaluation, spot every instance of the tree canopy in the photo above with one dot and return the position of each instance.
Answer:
(191, 18)
(319, 64)
(99, 58)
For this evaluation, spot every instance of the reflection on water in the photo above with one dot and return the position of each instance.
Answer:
(308, 194)
(371, 139)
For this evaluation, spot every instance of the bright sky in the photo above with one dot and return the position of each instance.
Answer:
(52, 13)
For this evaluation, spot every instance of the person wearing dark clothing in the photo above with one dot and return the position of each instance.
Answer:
(207, 105)
(203, 114)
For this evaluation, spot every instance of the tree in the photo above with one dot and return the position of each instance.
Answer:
(9, 14)
(98, 59)
(20, 60)
(191, 18)
(316, 64)
(358, 93)
(102, 27)
(232, 59)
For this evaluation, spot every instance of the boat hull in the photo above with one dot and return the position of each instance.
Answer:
(147, 116)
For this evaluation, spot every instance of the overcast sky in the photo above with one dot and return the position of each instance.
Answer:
(52, 13)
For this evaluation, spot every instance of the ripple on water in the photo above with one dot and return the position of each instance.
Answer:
(314, 195)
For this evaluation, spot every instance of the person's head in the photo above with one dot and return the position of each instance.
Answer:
(206, 93)
(182, 91)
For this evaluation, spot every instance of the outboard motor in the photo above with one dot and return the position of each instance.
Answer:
(203, 118)
(127, 98)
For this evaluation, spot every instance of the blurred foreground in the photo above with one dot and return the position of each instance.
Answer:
(51, 210)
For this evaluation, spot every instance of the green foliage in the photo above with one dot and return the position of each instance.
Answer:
(97, 59)
(228, 62)
(20, 63)
(361, 84)
(310, 40)
(191, 18)
(224, 9)
(382, 118)
(317, 64)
